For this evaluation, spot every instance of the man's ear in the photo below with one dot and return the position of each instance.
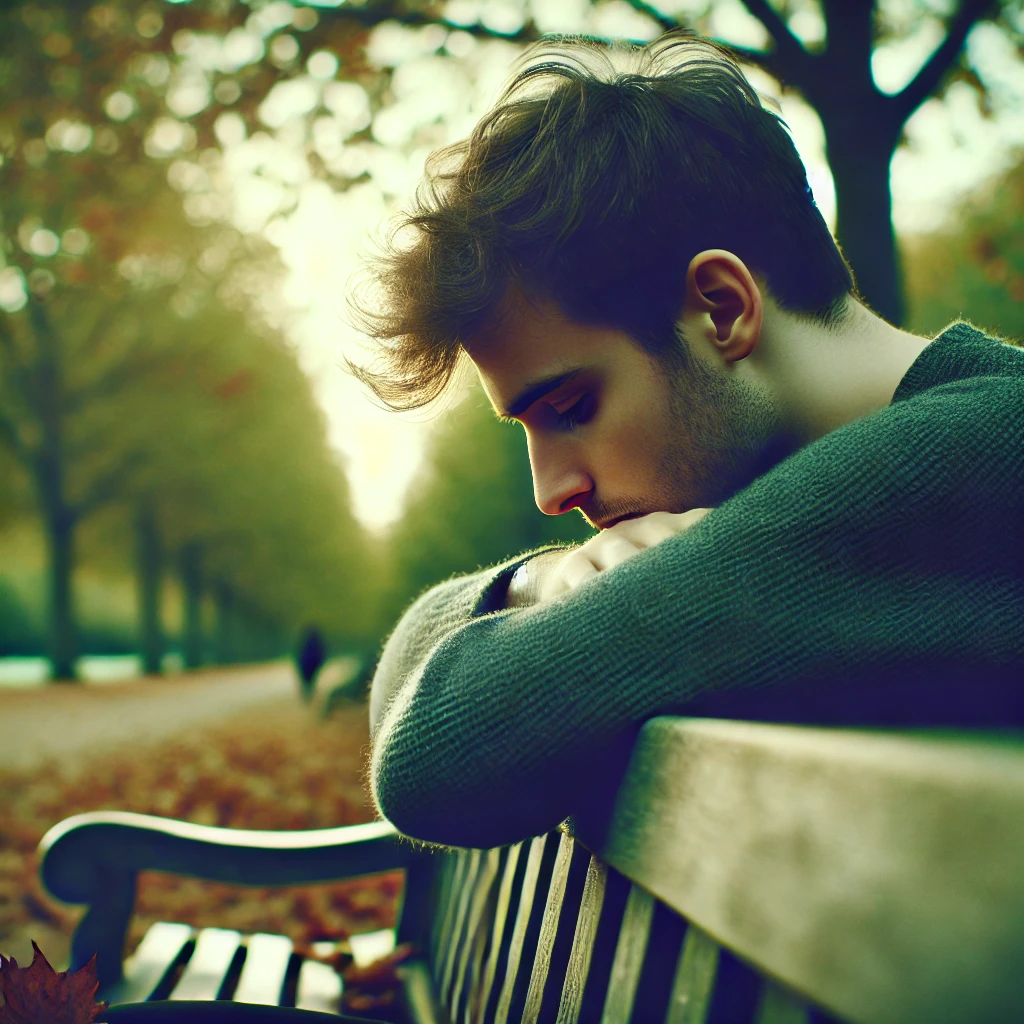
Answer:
(723, 304)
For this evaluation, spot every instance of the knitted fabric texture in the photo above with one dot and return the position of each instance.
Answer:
(886, 550)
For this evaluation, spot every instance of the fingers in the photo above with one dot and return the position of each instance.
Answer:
(609, 549)
(615, 545)
(577, 569)
(646, 531)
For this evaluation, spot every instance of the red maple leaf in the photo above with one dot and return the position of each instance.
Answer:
(38, 994)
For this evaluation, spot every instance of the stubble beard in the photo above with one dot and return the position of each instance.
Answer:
(723, 433)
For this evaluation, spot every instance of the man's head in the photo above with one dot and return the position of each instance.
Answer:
(583, 199)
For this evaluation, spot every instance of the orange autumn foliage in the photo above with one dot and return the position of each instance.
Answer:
(269, 768)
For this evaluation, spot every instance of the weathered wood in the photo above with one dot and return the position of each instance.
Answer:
(442, 910)
(878, 875)
(548, 930)
(457, 936)
(777, 1006)
(583, 943)
(420, 994)
(475, 937)
(452, 879)
(515, 949)
(629, 957)
(266, 963)
(694, 982)
(93, 858)
(319, 987)
(207, 967)
(483, 993)
(152, 958)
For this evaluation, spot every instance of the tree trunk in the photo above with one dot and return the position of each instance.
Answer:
(227, 645)
(860, 168)
(191, 570)
(861, 131)
(149, 576)
(58, 514)
(63, 639)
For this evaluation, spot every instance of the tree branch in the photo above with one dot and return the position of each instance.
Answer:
(132, 365)
(373, 15)
(8, 342)
(790, 50)
(109, 485)
(664, 21)
(766, 60)
(9, 432)
(927, 80)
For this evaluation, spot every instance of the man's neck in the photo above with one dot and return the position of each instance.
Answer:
(823, 378)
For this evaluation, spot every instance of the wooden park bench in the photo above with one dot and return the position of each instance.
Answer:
(750, 872)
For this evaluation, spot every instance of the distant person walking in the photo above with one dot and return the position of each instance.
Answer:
(309, 659)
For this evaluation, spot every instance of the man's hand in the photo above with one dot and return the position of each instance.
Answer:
(556, 572)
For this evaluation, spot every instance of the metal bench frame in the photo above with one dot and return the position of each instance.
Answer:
(786, 871)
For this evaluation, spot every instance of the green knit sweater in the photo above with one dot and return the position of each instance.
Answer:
(876, 576)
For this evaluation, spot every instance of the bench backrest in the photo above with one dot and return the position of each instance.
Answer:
(750, 872)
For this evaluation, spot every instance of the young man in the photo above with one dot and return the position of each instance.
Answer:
(805, 513)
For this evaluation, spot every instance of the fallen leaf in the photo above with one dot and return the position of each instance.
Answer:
(38, 994)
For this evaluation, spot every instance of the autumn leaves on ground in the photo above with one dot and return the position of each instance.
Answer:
(275, 766)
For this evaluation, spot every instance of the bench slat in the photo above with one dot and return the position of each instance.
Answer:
(629, 956)
(319, 987)
(694, 982)
(877, 874)
(548, 930)
(370, 946)
(483, 994)
(266, 963)
(453, 879)
(419, 993)
(777, 1006)
(443, 884)
(468, 969)
(583, 943)
(146, 967)
(205, 971)
(457, 935)
(515, 949)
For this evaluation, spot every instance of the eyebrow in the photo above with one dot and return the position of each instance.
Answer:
(538, 389)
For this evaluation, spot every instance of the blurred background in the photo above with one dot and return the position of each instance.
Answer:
(189, 481)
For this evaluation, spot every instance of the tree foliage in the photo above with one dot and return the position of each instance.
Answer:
(974, 267)
(139, 360)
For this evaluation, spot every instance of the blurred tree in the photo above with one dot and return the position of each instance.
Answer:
(824, 49)
(863, 124)
(150, 563)
(114, 289)
(973, 268)
(190, 570)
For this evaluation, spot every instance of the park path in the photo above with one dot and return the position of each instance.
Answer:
(63, 721)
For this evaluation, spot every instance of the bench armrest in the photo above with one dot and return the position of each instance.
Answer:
(93, 858)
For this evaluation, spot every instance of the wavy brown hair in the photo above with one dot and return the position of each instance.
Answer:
(594, 185)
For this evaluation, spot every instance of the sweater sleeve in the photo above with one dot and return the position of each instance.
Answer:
(887, 543)
(432, 617)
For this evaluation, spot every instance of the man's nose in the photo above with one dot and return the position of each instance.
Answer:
(559, 483)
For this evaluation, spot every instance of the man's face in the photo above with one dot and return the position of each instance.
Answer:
(614, 431)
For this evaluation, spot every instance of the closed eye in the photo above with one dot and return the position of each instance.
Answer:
(577, 414)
